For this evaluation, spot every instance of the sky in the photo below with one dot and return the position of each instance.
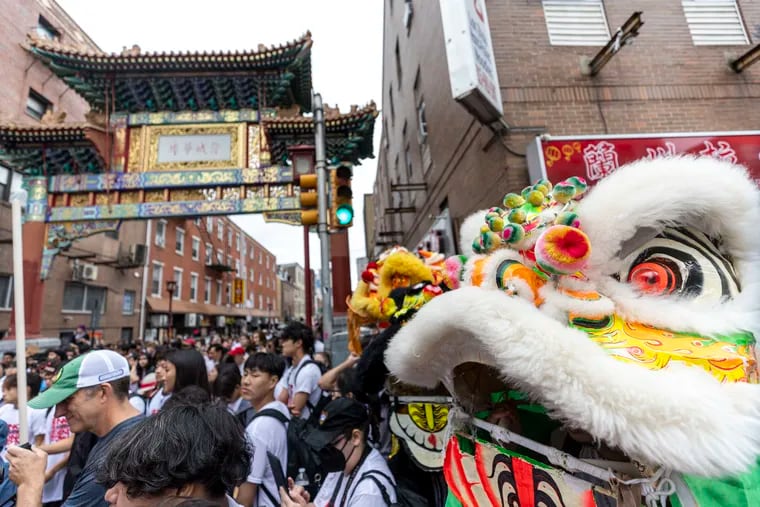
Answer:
(346, 60)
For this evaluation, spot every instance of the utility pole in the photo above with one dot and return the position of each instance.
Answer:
(324, 237)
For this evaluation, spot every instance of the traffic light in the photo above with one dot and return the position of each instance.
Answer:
(341, 207)
(308, 198)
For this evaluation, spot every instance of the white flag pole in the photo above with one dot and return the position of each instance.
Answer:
(20, 319)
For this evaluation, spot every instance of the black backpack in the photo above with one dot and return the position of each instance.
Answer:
(372, 475)
(300, 455)
(324, 398)
(246, 416)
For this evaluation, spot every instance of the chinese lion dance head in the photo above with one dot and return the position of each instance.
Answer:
(628, 310)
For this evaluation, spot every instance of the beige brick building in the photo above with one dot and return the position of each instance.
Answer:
(673, 78)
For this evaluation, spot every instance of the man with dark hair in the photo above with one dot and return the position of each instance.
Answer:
(357, 474)
(216, 353)
(267, 431)
(8, 359)
(92, 392)
(299, 387)
(227, 387)
(145, 465)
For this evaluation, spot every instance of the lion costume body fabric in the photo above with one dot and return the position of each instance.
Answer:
(625, 315)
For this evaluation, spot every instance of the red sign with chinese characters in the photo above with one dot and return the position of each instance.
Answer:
(595, 158)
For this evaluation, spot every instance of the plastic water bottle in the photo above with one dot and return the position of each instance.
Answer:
(302, 479)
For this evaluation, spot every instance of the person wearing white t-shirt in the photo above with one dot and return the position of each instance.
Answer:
(300, 383)
(9, 412)
(57, 430)
(267, 431)
(357, 474)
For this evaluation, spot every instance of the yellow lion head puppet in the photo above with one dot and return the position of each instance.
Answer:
(370, 302)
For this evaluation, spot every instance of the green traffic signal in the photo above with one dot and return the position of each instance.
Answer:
(345, 214)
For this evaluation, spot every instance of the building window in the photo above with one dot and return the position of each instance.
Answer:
(259, 256)
(37, 105)
(576, 22)
(250, 252)
(237, 241)
(210, 224)
(179, 241)
(408, 14)
(6, 292)
(261, 302)
(390, 103)
(422, 122)
(229, 261)
(229, 294)
(46, 30)
(78, 297)
(6, 180)
(220, 257)
(408, 163)
(220, 230)
(715, 22)
(397, 52)
(229, 237)
(197, 221)
(128, 303)
(158, 275)
(178, 279)
(209, 253)
(196, 248)
(126, 335)
(207, 290)
(244, 246)
(250, 275)
(237, 268)
(193, 287)
(219, 292)
(160, 233)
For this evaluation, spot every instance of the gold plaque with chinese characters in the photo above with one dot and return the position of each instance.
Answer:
(194, 147)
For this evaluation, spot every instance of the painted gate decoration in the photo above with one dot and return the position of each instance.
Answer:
(491, 475)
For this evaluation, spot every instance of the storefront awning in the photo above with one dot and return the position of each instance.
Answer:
(161, 305)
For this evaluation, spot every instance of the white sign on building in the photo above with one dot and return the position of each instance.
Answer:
(472, 67)
(194, 148)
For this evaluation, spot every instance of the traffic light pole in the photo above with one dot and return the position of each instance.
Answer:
(324, 237)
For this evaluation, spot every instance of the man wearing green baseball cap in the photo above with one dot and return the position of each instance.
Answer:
(92, 392)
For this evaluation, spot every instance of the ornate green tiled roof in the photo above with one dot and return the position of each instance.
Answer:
(136, 81)
(349, 136)
(51, 149)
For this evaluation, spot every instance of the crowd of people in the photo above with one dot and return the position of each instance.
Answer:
(260, 420)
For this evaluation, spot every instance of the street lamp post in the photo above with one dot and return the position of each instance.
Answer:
(171, 286)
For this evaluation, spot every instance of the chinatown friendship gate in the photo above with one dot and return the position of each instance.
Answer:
(168, 135)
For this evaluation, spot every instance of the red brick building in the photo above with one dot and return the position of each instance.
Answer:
(673, 78)
(204, 256)
(30, 90)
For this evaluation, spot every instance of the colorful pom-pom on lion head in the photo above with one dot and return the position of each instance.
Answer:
(525, 216)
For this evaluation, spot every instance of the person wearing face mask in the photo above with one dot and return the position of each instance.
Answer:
(357, 474)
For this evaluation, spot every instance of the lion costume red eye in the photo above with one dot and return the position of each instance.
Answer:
(655, 277)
